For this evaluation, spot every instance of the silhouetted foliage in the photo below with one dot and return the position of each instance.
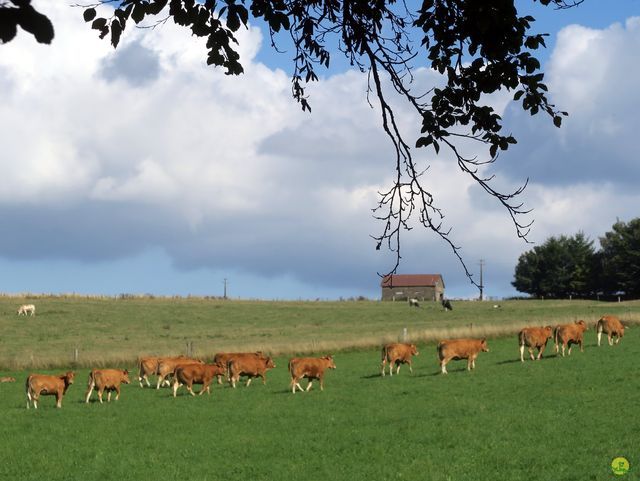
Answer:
(620, 259)
(478, 47)
(20, 13)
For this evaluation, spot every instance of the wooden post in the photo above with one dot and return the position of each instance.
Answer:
(404, 335)
(75, 355)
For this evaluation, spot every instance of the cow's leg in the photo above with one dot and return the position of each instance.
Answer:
(309, 385)
(398, 368)
(248, 381)
(89, 391)
(108, 395)
(443, 367)
(190, 388)
(581, 346)
(28, 398)
(599, 337)
(469, 364)
(160, 378)
(322, 383)
(384, 365)
(530, 349)
(410, 368)
(117, 393)
(473, 362)
(35, 398)
(100, 391)
(570, 345)
(563, 349)
(58, 399)
(219, 379)
(610, 338)
(264, 379)
(540, 351)
(521, 352)
(175, 386)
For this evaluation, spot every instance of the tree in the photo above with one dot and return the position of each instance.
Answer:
(478, 48)
(620, 257)
(20, 13)
(561, 267)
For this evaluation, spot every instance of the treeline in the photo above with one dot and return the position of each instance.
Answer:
(566, 266)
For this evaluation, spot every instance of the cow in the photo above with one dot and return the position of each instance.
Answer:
(250, 365)
(167, 366)
(397, 354)
(106, 380)
(457, 349)
(7, 379)
(611, 326)
(414, 303)
(148, 366)
(27, 309)
(223, 358)
(569, 334)
(43, 384)
(191, 374)
(446, 303)
(534, 338)
(310, 368)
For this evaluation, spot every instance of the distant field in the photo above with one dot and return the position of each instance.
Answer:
(558, 419)
(107, 331)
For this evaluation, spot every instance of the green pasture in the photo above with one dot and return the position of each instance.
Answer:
(556, 419)
(108, 330)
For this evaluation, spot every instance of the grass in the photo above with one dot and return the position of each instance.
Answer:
(109, 331)
(557, 419)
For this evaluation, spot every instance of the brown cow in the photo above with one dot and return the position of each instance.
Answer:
(569, 334)
(611, 326)
(310, 368)
(397, 354)
(148, 366)
(43, 384)
(250, 365)
(7, 379)
(106, 380)
(223, 358)
(167, 366)
(196, 374)
(534, 338)
(457, 349)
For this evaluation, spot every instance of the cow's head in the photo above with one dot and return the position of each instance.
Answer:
(125, 377)
(69, 377)
(330, 363)
(483, 345)
(548, 330)
(414, 349)
(583, 325)
(269, 364)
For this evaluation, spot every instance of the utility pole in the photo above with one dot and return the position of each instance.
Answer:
(481, 284)
(225, 288)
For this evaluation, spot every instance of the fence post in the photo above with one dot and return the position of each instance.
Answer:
(75, 355)
(404, 335)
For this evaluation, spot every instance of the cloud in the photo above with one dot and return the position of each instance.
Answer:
(133, 63)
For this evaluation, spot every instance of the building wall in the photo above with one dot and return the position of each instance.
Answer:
(422, 293)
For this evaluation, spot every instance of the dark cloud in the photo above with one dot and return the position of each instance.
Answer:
(133, 63)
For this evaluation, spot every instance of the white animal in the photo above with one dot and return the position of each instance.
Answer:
(414, 302)
(27, 309)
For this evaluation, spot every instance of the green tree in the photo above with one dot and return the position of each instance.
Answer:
(478, 47)
(561, 267)
(620, 257)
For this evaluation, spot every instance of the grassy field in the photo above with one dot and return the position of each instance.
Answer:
(558, 419)
(107, 330)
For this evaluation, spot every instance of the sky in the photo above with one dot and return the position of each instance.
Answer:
(141, 170)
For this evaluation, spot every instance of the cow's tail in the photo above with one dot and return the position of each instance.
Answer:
(91, 382)
(521, 338)
(384, 353)
(599, 325)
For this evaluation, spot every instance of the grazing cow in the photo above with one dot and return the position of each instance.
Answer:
(457, 349)
(250, 365)
(568, 334)
(27, 309)
(196, 374)
(446, 303)
(223, 358)
(414, 303)
(106, 380)
(611, 326)
(310, 368)
(534, 338)
(7, 379)
(166, 367)
(43, 384)
(396, 354)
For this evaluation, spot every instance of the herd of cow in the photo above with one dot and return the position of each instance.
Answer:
(183, 371)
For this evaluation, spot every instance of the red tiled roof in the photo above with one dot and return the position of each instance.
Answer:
(411, 280)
